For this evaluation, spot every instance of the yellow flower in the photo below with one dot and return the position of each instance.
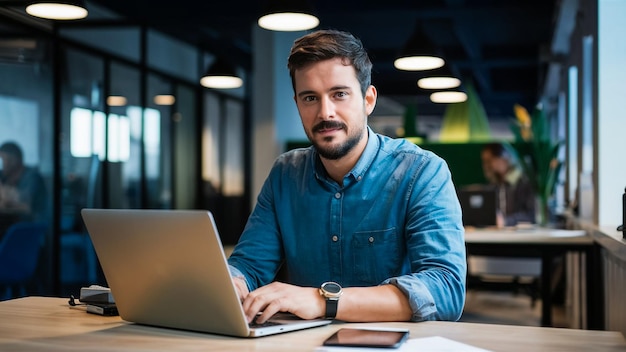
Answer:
(554, 163)
(524, 121)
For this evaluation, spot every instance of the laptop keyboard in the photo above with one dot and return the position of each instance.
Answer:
(254, 324)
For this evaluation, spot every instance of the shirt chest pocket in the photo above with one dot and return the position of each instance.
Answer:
(377, 255)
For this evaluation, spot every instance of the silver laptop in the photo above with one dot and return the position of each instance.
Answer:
(167, 268)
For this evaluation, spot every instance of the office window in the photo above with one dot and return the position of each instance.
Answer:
(26, 122)
(87, 137)
(124, 163)
(83, 152)
(587, 105)
(211, 127)
(560, 126)
(572, 142)
(587, 197)
(233, 152)
(160, 102)
(186, 147)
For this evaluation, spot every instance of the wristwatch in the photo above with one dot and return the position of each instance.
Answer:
(331, 291)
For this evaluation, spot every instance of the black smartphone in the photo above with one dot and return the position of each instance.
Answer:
(349, 337)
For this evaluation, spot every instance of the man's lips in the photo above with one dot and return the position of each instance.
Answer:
(328, 130)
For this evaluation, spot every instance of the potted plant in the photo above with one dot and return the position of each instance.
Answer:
(537, 154)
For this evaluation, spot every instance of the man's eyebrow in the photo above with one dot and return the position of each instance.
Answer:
(305, 92)
(335, 88)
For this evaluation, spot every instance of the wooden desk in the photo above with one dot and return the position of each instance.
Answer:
(48, 324)
(545, 244)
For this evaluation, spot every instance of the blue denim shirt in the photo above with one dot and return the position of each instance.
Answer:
(396, 220)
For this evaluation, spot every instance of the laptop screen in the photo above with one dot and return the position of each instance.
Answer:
(479, 206)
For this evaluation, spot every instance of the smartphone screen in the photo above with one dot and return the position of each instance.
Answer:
(367, 338)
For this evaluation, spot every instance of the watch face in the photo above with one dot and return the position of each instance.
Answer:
(331, 287)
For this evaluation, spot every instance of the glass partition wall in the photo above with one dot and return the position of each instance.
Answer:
(104, 130)
(26, 159)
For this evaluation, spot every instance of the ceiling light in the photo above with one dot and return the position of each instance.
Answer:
(448, 97)
(58, 9)
(438, 82)
(419, 53)
(116, 100)
(164, 99)
(288, 16)
(440, 78)
(418, 63)
(221, 75)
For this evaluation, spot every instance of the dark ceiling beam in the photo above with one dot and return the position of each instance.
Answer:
(496, 63)
(472, 48)
(566, 20)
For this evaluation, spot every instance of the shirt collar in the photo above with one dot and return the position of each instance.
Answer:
(367, 158)
(513, 176)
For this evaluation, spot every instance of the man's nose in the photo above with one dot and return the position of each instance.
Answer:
(327, 109)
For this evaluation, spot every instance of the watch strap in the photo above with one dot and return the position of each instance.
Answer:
(331, 308)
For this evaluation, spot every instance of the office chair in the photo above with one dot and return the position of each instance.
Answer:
(19, 255)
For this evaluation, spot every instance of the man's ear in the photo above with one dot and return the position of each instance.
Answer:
(370, 99)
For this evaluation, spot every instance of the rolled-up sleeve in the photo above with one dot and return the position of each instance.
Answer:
(436, 247)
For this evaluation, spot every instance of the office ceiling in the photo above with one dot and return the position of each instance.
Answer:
(502, 47)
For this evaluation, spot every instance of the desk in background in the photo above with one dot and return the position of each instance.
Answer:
(48, 324)
(545, 244)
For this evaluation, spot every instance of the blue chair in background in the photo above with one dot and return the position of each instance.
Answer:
(20, 250)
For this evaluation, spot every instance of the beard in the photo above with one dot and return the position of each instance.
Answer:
(335, 152)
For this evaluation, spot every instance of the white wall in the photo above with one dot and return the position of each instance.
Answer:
(611, 143)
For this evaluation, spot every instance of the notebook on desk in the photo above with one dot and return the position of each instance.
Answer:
(479, 206)
(167, 268)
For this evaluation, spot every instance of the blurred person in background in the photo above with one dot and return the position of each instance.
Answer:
(22, 189)
(515, 195)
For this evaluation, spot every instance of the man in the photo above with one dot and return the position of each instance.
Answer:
(367, 228)
(516, 198)
(22, 188)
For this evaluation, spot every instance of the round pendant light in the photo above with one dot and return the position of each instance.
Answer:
(288, 16)
(448, 97)
(221, 75)
(58, 9)
(419, 53)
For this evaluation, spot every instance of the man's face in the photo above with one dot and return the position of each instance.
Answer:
(10, 163)
(5, 162)
(332, 109)
(494, 167)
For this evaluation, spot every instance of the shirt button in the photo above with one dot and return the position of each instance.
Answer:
(359, 178)
(335, 238)
(371, 239)
(337, 195)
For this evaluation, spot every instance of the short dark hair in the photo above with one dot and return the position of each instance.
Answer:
(329, 44)
(498, 150)
(12, 148)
